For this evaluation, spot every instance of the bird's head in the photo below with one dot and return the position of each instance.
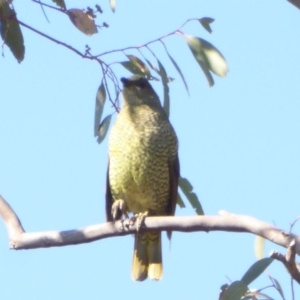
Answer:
(137, 91)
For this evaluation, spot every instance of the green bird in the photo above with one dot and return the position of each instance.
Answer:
(143, 170)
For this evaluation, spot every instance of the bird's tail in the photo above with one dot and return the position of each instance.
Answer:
(147, 257)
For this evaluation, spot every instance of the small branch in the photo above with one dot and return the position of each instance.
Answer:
(57, 41)
(106, 69)
(19, 239)
(49, 6)
(148, 43)
(289, 260)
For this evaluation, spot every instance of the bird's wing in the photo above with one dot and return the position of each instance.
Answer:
(108, 198)
(174, 171)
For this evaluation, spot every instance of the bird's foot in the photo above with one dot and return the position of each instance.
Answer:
(139, 219)
(119, 207)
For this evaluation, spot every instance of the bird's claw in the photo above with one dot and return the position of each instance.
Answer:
(139, 219)
(117, 207)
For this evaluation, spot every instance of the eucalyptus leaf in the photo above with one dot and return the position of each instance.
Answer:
(256, 269)
(152, 66)
(60, 3)
(257, 295)
(179, 71)
(208, 57)
(11, 32)
(103, 128)
(128, 65)
(205, 22)
(259, 247)
(235, 291)
(138, 63)
(165, 80)
(100, 101)
(112, 5)
(82, 21)
(277, 286)
(180, 201)
(187, 189)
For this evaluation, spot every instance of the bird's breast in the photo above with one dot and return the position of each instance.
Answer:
(140, 150)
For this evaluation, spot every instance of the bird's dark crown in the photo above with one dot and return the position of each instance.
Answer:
(135, 80)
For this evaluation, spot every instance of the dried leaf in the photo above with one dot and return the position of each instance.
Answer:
(11, 32)
(84, 22)
(205, 22)
(100, 101)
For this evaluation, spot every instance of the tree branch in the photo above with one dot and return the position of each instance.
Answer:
(19, 239)
(288, 261)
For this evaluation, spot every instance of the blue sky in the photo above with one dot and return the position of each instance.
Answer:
(239, 146)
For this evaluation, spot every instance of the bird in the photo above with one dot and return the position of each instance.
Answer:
(143, 171)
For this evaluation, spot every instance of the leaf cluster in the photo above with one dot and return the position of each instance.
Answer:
(239, 290)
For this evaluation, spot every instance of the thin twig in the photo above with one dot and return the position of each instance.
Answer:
(148, 43)
(44, 13)
(50, 6)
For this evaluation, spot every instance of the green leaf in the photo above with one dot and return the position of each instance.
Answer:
(208, 57)
(152, 66)
(180, 201)
(132, 68)
(165, 80)
(60, 3)
(100, 101)
(187, 189)
(259, 247)
(103, 128)
(179, 71)
(139, 64)
(112, 5)
(205, 22)
(235, 291)
(11, 32)
(256, 269)
(277, 286)
(257, 295)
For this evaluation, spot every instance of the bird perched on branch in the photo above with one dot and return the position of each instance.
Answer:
(143, 170)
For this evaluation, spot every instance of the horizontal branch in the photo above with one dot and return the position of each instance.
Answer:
(19, 239)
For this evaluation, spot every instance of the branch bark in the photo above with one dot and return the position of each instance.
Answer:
(19, 239)
(288, 261)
